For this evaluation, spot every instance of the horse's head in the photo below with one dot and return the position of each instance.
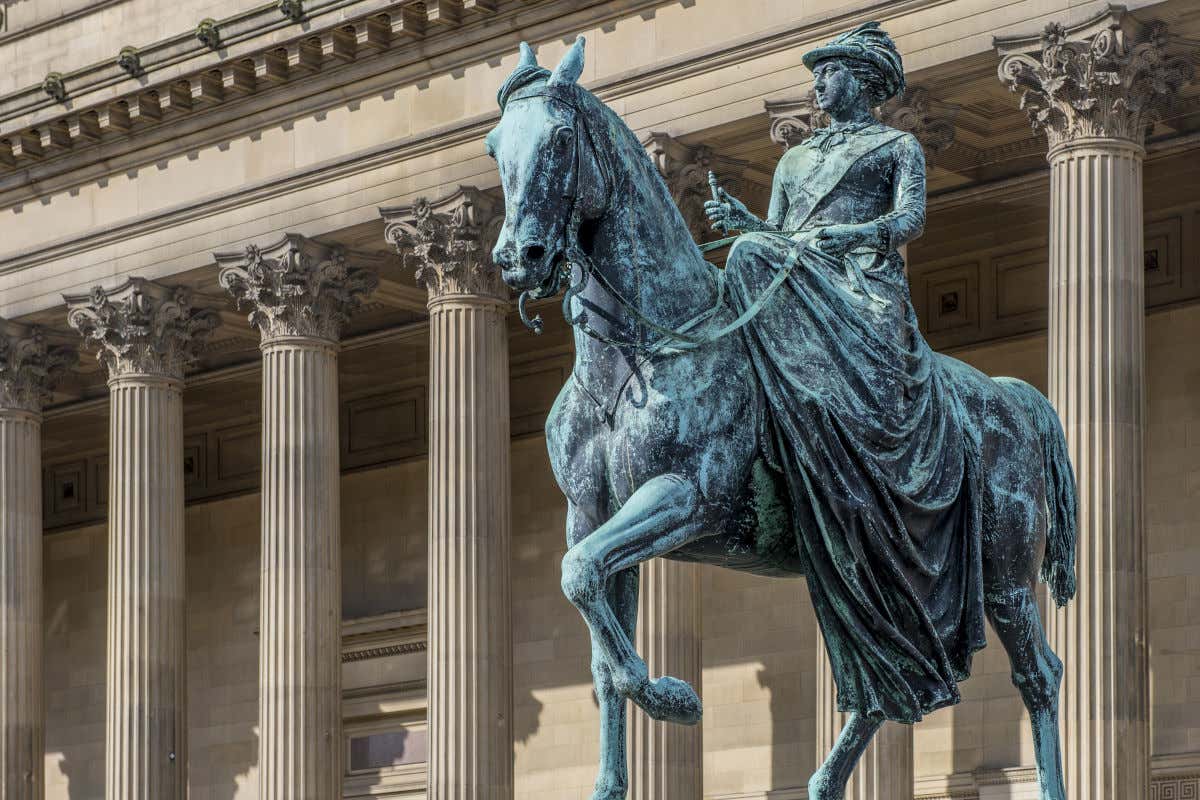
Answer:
(549, 169)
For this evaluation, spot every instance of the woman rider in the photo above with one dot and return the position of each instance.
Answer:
(870, 435)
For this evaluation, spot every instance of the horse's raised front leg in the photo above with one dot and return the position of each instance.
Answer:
(658, 518)
(829, 781)
(1036, 672)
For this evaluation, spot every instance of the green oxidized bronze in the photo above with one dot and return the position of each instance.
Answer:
(783, 416)
(209, 33)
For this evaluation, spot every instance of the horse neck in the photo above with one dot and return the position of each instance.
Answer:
(646, 253)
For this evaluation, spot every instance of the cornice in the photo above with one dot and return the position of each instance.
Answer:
(371, 46)
(241, 35)
(30, 176)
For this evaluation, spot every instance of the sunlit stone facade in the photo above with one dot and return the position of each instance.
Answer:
(276, 513)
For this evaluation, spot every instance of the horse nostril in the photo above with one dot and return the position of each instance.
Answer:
(534, 252)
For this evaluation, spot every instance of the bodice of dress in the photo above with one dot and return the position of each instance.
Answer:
(886, 184)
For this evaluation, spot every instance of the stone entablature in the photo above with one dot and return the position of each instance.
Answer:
(141, 327)
(143, 86)
(296, 287)
(29, 366)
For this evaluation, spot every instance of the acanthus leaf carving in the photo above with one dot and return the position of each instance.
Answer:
(296, 287)
(448, 243)
(141, 327)
(685, 169)
(1110, 79)
(793, 121)
(29, 366)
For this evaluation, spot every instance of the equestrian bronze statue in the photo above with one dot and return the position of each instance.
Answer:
(783, 415)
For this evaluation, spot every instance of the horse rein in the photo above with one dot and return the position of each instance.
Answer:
(671, 340)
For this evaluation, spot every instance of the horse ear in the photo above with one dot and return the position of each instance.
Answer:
(528, 59)
(571, 66)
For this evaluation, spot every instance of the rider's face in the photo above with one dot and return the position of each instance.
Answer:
(835, 85)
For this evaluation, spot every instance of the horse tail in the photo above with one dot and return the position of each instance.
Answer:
(1058, 565)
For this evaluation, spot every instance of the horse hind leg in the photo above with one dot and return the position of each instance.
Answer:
(1036, 672)
(829, 781)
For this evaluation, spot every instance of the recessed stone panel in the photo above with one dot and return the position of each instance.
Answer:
(952, 297)
(239, 455)
(384, 427)
(1021, 289)
(1161, 259)
(533, 388)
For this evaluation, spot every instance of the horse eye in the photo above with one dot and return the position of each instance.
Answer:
(563, 136)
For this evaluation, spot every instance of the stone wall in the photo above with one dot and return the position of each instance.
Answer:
(1173, 553)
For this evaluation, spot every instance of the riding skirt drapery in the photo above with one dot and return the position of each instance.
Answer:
(882, 467)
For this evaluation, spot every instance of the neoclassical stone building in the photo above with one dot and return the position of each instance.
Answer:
(276, 519)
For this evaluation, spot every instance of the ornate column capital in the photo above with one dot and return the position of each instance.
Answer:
(1105, 78)
(793, 121)
(926, 118)
(141, 327)
(295, 287)
(685, 169)
(449, 242)
(29, 367)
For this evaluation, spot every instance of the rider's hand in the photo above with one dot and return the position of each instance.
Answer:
(729, 213)
(837, 240)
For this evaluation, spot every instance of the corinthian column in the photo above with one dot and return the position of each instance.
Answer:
(665, 761)
(470, 634)
(1091, 90)
(145, 333)
(300, 293)
(27, 369)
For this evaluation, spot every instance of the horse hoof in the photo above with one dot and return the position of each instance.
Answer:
(669, 700)
(608, 793)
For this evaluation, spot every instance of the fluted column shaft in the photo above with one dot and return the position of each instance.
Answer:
(1097, 370)
(22, 725)
(300, 715)
(885, 771)
(146, 748)
(470, 636)
(665, 761)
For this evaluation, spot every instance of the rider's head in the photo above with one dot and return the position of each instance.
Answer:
(869, 60)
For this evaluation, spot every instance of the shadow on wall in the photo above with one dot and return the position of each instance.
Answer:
(223, 583)
(74, 578)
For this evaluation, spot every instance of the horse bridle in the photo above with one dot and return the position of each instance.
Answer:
(671, 339)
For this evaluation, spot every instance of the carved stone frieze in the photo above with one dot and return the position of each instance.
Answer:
(1110, 77)
(449, 242)
(685, 169)
(141, 327)
(29, 367)
(296, 287)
